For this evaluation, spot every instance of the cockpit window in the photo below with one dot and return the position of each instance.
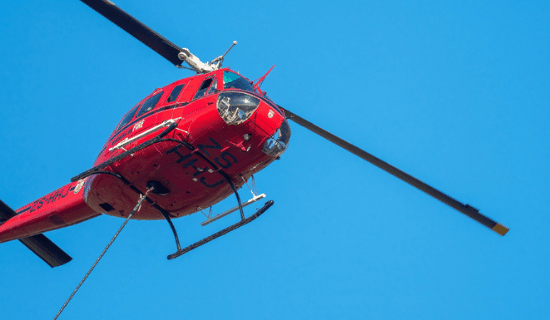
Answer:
(233, 80)
(212, 89)
(149, 104)
(202, 90)
(128, 117)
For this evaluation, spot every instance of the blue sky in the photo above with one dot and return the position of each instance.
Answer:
(455, 93)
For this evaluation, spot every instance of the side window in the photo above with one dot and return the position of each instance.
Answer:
(212, 89)
(175, 93)
(149, 104)
(128, 117)
(202, 90)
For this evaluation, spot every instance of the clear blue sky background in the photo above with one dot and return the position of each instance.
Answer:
(457, 93)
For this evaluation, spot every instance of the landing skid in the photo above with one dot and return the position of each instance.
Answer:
(222, 232)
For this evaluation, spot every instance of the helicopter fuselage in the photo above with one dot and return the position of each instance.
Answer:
(189, 160)
(215, 127)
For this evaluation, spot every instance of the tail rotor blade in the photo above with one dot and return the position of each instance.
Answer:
(463, 208)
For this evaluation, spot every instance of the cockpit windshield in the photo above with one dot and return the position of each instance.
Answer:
(233, 80)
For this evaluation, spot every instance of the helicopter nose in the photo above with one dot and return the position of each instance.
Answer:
(236, 107)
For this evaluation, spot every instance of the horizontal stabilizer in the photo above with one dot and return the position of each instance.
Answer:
(5, 212)
(46, 250)
(39, 244)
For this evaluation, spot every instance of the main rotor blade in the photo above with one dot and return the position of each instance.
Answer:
(137, 29)
(464, 208)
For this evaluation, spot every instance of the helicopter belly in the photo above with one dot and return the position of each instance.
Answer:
(189, 167)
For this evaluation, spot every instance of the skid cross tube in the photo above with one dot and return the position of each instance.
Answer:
(166, 216)
(235, 191)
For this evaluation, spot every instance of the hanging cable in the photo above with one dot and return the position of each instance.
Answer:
(136, 208)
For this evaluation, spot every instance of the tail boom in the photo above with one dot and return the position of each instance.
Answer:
(61, 208)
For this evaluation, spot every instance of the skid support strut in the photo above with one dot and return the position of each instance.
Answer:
(222, 232)
(166, 216)
(235, 191)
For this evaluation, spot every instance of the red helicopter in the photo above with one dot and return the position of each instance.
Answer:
(180, 150)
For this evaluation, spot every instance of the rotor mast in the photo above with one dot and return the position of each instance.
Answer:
(197, 65)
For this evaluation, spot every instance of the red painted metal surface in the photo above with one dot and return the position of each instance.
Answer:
(187, 161)
(62, 208)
